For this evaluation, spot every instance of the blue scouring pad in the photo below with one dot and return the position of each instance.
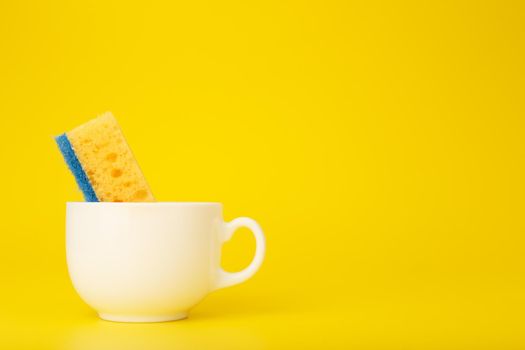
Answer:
(74, 165)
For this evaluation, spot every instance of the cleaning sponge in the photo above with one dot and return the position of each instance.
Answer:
(102, 162)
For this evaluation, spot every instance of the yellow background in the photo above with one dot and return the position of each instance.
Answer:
(379, 144)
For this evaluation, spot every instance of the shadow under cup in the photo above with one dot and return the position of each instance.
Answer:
(150, 262)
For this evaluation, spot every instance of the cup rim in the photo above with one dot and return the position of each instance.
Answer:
(144, 203)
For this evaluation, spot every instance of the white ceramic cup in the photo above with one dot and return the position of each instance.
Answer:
(151, 262)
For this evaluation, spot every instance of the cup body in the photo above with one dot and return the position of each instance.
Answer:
(143, 262)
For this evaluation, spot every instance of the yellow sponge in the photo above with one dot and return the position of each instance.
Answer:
(108, 162)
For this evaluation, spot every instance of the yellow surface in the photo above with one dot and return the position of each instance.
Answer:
(379, 144)
(113, 171)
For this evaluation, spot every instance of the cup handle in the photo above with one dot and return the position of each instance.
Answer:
(226, 279)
